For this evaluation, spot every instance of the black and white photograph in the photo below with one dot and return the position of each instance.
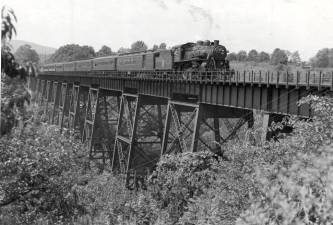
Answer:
(166, 112)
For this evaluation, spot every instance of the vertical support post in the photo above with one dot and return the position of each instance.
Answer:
(197, 124)
(265, 124)
(166, 131)
(97, 125)
(48, 96)
(138, 137)
(89, 121)
(64, 104)
(56, 92)
(42, 92)
(217, 136)
(115, 151)
(38, 90)
(77, 109)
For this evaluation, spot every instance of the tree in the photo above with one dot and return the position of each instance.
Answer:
(25, 54)
(162, 46)
(123, 50)
(72, 52)
(323, 58)
(232, 56)
(7, 27)
(288, 53)
(242, 55)
(104, 51)
(8, 64)
(138, 46)
(263, 57)
(298, 187)
(155, 47)
(279, 56)
(253, 55)
(295, 58)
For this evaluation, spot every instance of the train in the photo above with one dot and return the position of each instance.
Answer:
(199, 56)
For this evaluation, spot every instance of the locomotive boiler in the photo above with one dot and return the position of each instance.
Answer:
(199, 56)
(203, 55)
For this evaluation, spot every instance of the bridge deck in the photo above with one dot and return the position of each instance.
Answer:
(276, 92)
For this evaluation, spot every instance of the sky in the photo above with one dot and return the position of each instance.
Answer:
(303, 25)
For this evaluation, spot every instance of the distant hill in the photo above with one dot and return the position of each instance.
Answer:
(44, 52)
(40, 49)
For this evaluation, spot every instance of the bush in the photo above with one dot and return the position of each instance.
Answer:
(38, 168)
(177, 179)
(107, 201)
(14, 100)
(298, 189)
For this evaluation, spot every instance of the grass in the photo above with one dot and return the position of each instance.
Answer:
(265, 66)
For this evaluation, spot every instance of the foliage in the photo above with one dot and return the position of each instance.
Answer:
(298, 188)
(295, 58)
(263, 57)
(162, 46)
(38, 170)
(104, 51)
(232, 56)
(123, 50)
(242, 55)
(138, 46)
(155, 47)
(227, 194)
(72, 52)
(7, 26)
(108, 202)
(177, 179)
(253, 55)
(279, 56)
(8, 64)
(15, 98)
(25, 54)
(323, 58)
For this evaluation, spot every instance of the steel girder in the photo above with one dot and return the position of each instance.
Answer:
(38, 90)
(41, 92)
(64, 98)
(77, 110)
(139, 137)
(99, 127)
(191, 127)
(48, 98)
(54, 103)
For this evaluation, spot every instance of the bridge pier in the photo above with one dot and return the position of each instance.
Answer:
(48, 98)
(100, 122)
(77, 109)
(139, 136)
(261, 131)
(54, 103)
(41, 92)
(64, 98)
(191, 127)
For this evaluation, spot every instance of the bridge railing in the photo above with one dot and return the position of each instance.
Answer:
(297, 78)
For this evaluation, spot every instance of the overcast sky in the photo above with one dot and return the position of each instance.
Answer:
(303, 25)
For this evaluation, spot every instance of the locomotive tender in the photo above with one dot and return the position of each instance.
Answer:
(200, 56)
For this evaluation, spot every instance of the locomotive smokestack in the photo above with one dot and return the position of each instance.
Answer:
(216, 43)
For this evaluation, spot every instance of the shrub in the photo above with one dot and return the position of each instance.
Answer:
(38, 170)
(298, 188)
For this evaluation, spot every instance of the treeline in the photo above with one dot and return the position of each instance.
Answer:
(323, 58)
(278, 56)
(72, 52)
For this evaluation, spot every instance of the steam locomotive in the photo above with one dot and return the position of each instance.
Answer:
(199, 56)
